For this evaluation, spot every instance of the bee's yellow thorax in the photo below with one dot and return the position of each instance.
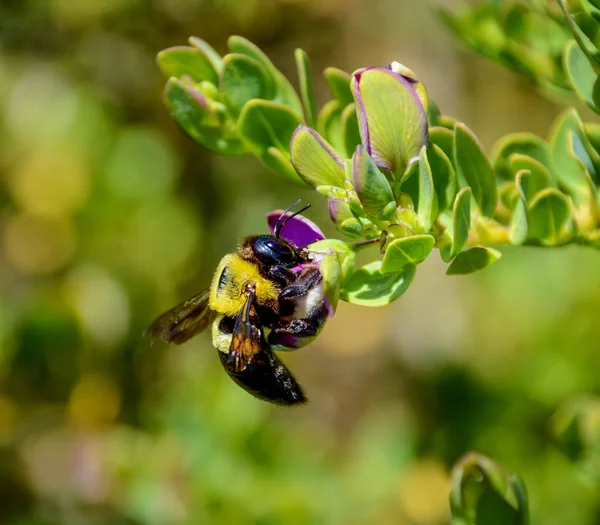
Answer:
(228, 287)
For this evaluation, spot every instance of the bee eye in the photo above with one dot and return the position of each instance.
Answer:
(273, 251)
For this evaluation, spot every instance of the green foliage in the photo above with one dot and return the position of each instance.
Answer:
(484, 494)
(393, 167)
(556, 45)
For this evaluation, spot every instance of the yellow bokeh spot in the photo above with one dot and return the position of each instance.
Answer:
(424, 490)
(38, 245)
(50, 183)
(95, 402)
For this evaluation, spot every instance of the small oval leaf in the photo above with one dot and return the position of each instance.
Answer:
(474, 167)
(461, 223)
(408, 251)
(444, 177)
(243, 79)
(372, 188)
(549, 213)
(339, 85)
(307, 90)
(264, 124)
(473, 260)
(367, 286)
(182, 61)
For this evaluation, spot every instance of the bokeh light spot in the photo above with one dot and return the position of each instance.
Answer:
(36, 245)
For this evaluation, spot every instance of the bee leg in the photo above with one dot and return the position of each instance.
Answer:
(281, 275)
(305, 281)
(308, 326)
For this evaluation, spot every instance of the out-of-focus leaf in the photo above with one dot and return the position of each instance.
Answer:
(329, 124)
(581, 74)
(264, 124)
(427, 205)
(280, 163)
(284, 93)
(208, 50)
(444, 176)
(349, 129)
(402, 253)
(243, 79)
(307, 90)
(549, 213)
(484, 494)
(192, 112)
(473, 260)
(523, 143)
(444, 139)
(518, 222)
(367, 286)
(539, 172)
(475, 169)
(573, 155)
(339, 85)
(461, 220)
(187, 61)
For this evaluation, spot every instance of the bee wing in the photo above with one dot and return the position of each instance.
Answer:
(247, 338)
(184, 321)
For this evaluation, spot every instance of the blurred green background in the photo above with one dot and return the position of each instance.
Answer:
(110, 215)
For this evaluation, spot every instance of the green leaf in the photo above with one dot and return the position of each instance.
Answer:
(461, 223)
(475, 168)
(580, 73)
(583, 40)
(483, 493)
(329, 124)
(572, 156)
(372, 188)
(549, 213)
(182, 60)
(427, 205)
(541, 175)
(214, 57)
(339, 85)
(285, 92)
(523, 143)
(307, 91)
(349, 129)
(518, 223)
(264, 124)
(443, 138)
(473, 260)
(408, 251)
(243, 79)
(315, 160)
(444, 177)
(369, 287)
(192, 111)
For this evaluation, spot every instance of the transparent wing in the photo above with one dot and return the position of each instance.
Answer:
(184, 321)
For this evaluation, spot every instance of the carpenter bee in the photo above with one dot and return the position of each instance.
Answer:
(268, 294)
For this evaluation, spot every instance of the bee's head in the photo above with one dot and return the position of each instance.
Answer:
(273, 249)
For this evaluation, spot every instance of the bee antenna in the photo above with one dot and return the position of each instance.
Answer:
(287, 219)
(278, 224)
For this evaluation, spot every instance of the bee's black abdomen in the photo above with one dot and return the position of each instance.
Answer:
(266, 378)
